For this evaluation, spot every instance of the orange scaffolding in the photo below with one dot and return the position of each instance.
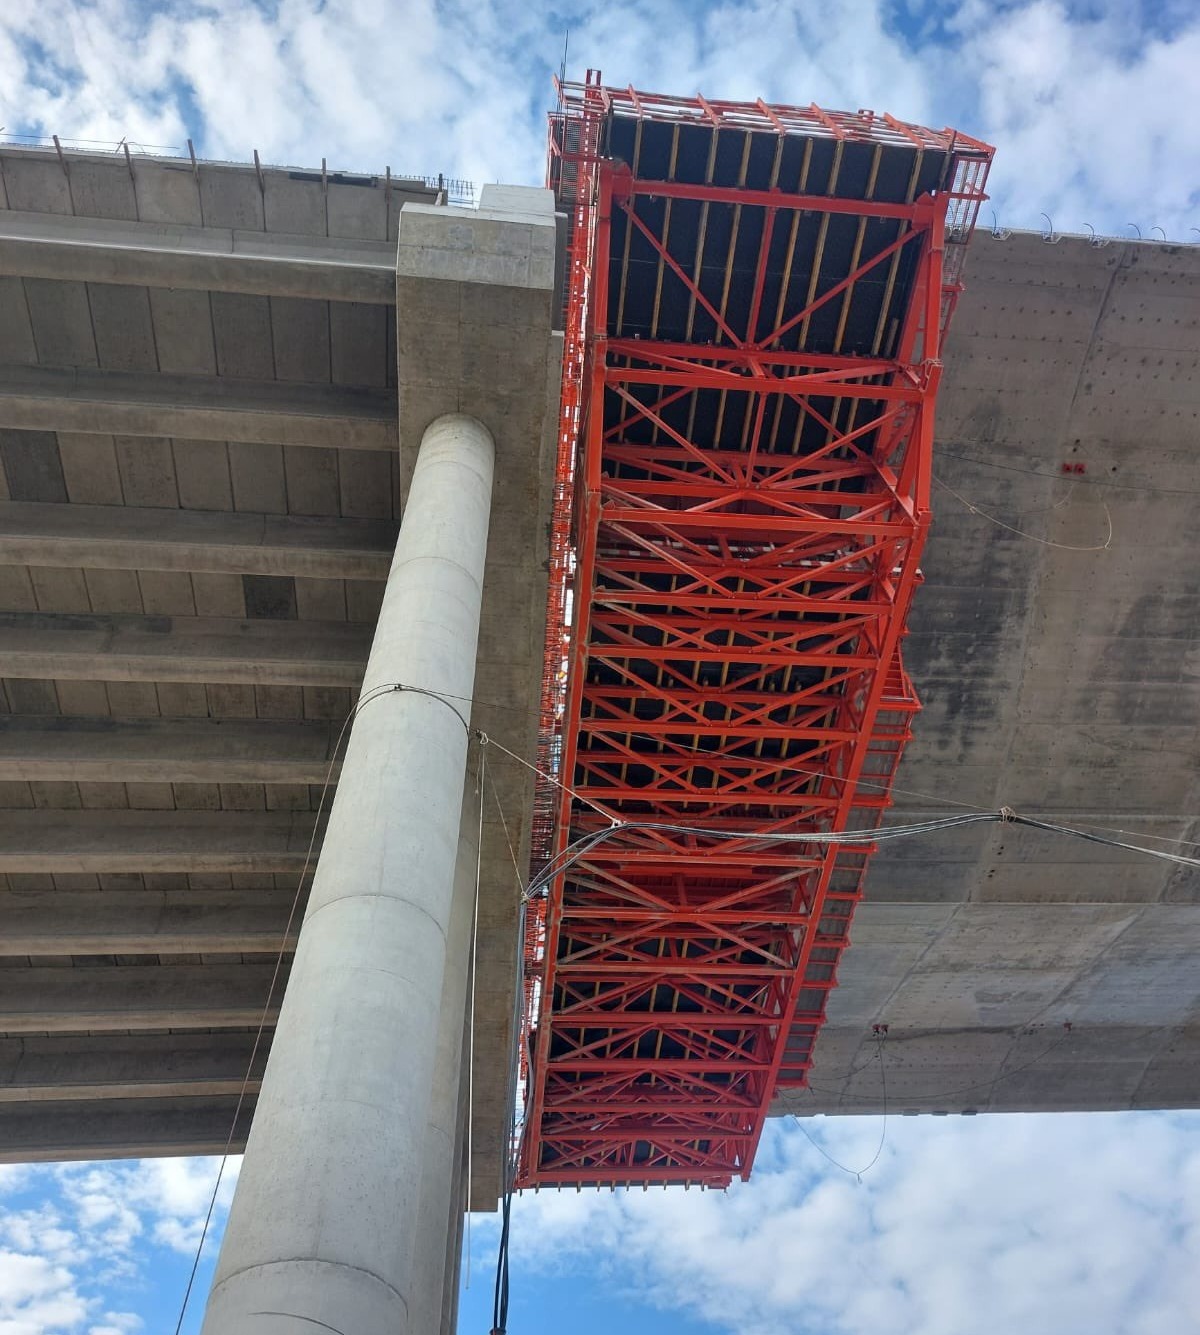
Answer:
(755, 306)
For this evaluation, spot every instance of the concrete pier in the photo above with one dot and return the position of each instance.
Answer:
(441, 1183)
(322, 1230)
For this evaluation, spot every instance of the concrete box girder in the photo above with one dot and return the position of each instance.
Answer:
(1056, 676)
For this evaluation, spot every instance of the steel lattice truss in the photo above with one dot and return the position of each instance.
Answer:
(755, 308)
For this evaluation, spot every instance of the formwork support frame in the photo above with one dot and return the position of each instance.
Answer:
(682, 977)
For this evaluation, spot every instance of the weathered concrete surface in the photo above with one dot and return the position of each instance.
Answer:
(476, 296)
(239, 582)
(324, 1221)
(200, 492)
(206, 259)
(94, 538)
(130, 403)
(1061, 682)
(58, 1068)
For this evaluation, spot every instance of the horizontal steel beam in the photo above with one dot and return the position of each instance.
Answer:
(105, 537)
(216, 259)
(84, 647)
(45, 1068)
(129, 403)
(146, 922)
(107, 998)
(62, 842)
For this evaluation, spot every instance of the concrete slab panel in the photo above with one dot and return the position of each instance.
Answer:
(90, 469)
(312, 481)
(202, 474)
(167, 192)
(59, 590)
(183, 331)
(365, 484)
(218, 595)
(257, 476)
(230, 197)
(294, 202)
(271, 597)
(300, 339)
(102, 188)
(167, 593)
(62, 322)
(242, 334)
(357, 345)
(147, 466)
(357, 211)
(16, 590)
(114, 591)
(35, 182)
(16, 332)
(123, 327)
(33, 469)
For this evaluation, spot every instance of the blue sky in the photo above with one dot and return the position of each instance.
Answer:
(1039, 1224)
(1086, 102)
(1043, 1224)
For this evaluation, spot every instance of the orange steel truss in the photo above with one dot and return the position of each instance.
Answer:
(755, 307)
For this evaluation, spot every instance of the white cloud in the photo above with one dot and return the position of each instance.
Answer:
(117, 1323)
(1051, 1225)
(1087, 117)
(167, 1199)
(1084, 103)
(64, 1259)
(36, 1296)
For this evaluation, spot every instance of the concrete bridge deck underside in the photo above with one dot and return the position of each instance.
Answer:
(204, 449)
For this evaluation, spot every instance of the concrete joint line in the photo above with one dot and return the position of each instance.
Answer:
(391, 899)
(407, 561)
(310, 1260)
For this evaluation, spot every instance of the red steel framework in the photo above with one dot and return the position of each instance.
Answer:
(742, 496)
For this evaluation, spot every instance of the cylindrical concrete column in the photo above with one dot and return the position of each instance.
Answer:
(440, 1177)
(322, 1229)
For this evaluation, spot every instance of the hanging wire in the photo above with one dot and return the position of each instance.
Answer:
(550, 778)
(816, 1144)
(584, 844)
(1021, 533)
